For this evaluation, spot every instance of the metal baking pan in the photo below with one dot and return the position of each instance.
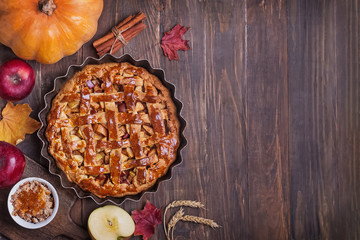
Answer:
(58, 83)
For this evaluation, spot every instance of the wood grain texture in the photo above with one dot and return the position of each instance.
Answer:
(324, 119)
(271, 95)
(267, 119)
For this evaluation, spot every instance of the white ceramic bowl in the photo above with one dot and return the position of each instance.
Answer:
(21, 221)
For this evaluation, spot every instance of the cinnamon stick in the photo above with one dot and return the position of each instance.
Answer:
(126, 23)
(129, 28)
(110, 34)
(128, 35)
(119, 45)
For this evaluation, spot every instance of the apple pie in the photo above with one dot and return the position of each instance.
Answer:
(113, 129)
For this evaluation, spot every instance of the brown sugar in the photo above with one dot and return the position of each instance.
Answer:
(33, 202)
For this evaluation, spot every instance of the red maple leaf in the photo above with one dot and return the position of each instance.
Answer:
(172, 42)
(146, 219)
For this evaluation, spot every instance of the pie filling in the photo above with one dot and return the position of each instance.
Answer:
(113, 129)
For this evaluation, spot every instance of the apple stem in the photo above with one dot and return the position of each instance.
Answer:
(47, 6)
(16, 79)
(110, 223)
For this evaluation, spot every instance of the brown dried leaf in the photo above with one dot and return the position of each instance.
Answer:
(15, 123)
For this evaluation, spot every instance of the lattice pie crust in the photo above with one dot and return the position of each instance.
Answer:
(113, 129)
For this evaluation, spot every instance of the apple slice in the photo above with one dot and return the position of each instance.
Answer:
(110, 222)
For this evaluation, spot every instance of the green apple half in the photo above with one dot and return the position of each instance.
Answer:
(110, 222)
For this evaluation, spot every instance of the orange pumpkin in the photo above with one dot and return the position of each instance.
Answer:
(47, 30)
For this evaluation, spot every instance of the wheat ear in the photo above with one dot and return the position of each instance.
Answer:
(180, 203)
(195, 219)
(175, 218)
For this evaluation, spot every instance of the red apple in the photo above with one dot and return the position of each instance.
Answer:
(17, 79)
(12, 164)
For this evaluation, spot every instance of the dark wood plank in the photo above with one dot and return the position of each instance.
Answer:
(348, 109)
(267, 120)
(324, 96)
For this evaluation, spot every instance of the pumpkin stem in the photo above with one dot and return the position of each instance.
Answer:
(47, 6)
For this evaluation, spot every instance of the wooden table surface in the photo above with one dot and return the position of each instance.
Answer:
(271, 96)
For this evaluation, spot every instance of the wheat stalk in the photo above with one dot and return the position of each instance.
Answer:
(180, 203)
(185, 203)
(200, 220)
(174, 220)
(195, 219)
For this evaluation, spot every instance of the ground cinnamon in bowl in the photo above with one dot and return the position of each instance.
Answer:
(33, 201)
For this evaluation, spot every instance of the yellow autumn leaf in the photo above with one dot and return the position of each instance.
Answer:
(15, 123)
